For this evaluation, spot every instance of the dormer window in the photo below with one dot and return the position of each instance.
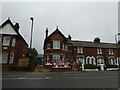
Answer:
(80, 49)
(56, 44)
(110, 51)
(99, 50)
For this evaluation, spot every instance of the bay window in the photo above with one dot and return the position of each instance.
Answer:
(56, 44)
(4, 57)
(56, 58)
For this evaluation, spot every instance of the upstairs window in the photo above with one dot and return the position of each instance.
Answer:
(63, 46)
(80, 49)
(13, 41)
(99, 50)
(56, 44)
(110, 51)
(6, 40)
(66, 47)
(48, 46)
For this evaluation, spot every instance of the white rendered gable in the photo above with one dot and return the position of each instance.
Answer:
(8, 29)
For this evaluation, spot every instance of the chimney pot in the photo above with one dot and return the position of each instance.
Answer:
(17, 26)
(46, 32)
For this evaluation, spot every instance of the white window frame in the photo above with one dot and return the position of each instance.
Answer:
(4, 62)
(11, 58)
(80, 49)
(56, 57)
(48, 46)
(6, 42)
(110, 51)
(99, 50)
(56, 44)
(13, 41)
(111, 61)
(87, 60)
(93, 60)
(63, 46)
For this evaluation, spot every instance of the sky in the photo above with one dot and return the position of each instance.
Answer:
(82, 20)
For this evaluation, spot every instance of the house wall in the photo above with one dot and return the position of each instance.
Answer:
(19, 50)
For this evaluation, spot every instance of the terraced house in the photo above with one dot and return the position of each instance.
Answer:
(58, 48)
(13, 45)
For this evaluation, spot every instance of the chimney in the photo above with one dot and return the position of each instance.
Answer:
(97, 40)
(17, 27)
(69, 37)
(46, 32)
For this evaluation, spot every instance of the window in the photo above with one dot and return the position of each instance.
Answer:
(13, 41)
(48, 46)
(80, 49)
(56, 58)
(56, 44)
(110, 51)
(100, 61)
(66, 48)
(6, 40)
(93, 60)
(99, 51)
(113, 61)
(4, 57)
(88, 61)
(63, 46)
(11, 57)
(80, 60)
(48, 59)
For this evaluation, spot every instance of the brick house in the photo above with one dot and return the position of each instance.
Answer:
(57, 47)
(13, 45)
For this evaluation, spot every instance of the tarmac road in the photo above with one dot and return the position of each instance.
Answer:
(100, 79)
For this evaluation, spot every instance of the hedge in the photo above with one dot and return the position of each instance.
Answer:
(111, 66)
(90, 66)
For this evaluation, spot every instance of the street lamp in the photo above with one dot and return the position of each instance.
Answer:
(31, 32)
(116, 37)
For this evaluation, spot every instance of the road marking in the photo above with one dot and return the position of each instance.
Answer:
(20, 78)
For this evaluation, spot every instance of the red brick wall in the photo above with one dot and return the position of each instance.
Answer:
(20, 46)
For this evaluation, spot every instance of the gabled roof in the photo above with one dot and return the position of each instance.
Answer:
(8, 21)
(56, 31)
(93, 44)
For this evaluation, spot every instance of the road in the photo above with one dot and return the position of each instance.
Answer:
(105, 79)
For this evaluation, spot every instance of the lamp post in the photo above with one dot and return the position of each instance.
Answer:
(31, 32)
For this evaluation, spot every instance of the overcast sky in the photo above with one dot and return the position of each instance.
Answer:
(82, 20)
